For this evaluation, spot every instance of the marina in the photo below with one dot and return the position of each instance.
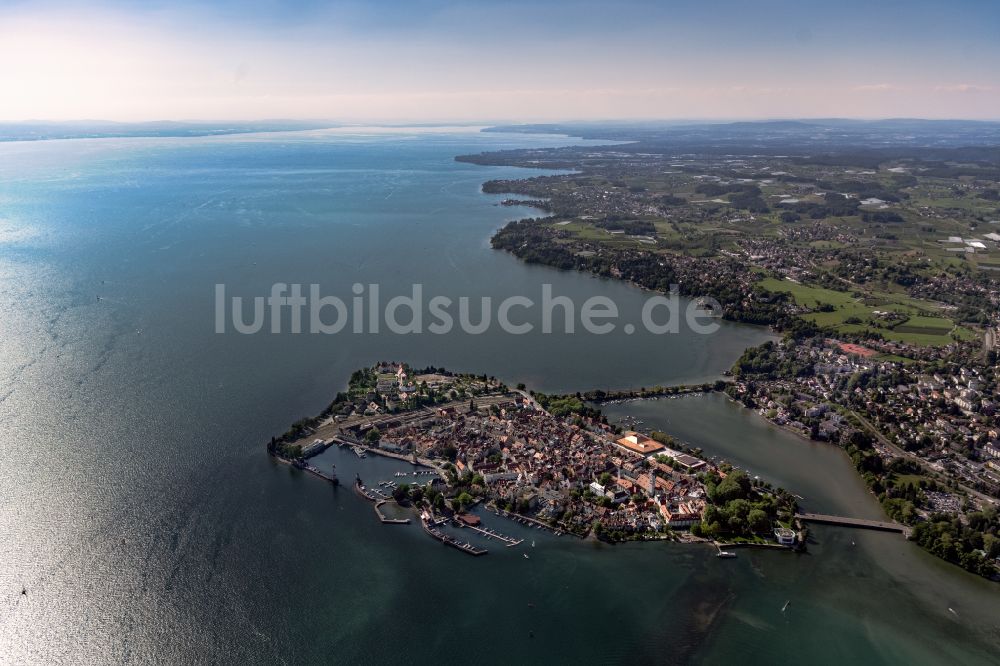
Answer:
(368, 493)
(528, 522)
(427, 522)
(492, 534)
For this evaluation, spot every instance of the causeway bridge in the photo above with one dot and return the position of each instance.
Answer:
(883, 526)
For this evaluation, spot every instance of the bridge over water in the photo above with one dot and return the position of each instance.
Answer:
(855, 522)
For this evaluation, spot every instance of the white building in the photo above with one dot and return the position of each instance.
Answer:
(785, 536)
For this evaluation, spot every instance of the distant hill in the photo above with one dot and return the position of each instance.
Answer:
(859, 142)
(793, 135)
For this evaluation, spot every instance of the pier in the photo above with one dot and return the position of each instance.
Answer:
(450, 540)
(529, 522)
(376, 498)
(883, 526)
(366, 492)
(331, 477)
(491, 534)
(433, 469)
(419, 472)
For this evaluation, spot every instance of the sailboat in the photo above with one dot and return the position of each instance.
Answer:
(785, 607)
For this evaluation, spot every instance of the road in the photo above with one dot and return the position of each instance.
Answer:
(896, 450)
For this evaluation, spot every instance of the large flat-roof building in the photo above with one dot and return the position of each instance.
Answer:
(639, 444)
(688, 462)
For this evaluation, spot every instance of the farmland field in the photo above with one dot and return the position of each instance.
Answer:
(851, 314)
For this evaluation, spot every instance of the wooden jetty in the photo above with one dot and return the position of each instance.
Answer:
(449, 540)
(529, 522)
(491, 534)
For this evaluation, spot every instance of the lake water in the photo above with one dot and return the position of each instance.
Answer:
(140, 510)
(858, 596)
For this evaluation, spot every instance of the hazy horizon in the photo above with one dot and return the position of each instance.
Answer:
(335, 123)
(450, 62)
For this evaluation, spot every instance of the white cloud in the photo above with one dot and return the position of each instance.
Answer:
(877, 87)
(963, 88)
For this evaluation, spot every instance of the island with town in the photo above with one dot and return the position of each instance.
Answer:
(551, 462)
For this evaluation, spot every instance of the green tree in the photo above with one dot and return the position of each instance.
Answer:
(463, 501)
(759, 521)
(401, 492)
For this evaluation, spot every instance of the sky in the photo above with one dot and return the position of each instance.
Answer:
(474, 61)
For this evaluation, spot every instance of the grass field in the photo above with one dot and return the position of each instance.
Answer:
(589, 232)
(826, 244)
(915, 479)
(918, 329)
(926, 325)
(806, 295)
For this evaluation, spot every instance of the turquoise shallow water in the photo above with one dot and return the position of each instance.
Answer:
(140, 511)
